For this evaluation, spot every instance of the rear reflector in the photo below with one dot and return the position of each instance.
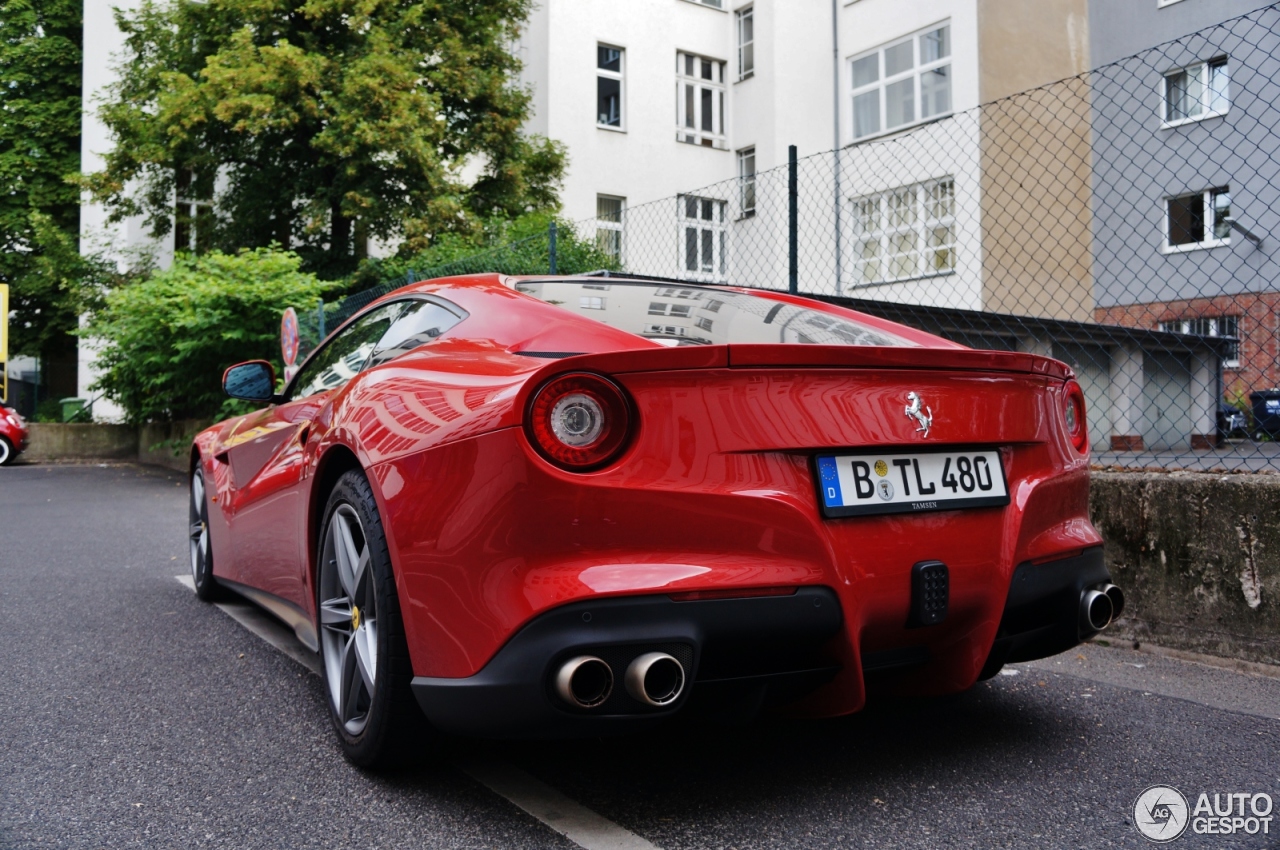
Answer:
(732, 593)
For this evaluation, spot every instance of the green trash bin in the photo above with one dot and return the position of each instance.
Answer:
(73, 409)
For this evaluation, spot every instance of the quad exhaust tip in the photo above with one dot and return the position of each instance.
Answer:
(1096, 610)
(655, 679)
(1116, 595)
(584, 681)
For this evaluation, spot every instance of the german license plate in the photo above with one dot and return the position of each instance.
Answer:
(865, 483)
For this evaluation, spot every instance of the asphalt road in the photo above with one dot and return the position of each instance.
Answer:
(139, 717)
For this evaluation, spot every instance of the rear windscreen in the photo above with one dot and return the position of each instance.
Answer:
(694, 315)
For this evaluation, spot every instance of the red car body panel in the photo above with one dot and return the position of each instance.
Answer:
(13, 428)
(716, 489)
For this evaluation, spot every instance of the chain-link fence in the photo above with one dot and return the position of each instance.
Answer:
(1121, 221)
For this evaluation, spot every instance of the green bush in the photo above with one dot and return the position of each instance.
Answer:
(167, 339)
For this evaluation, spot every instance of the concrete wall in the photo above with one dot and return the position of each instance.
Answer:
(159, 445)
(62, 441)
(168, 444)
(1198, 557)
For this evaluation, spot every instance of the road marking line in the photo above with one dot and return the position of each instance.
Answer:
(265, 626)
(572, 820)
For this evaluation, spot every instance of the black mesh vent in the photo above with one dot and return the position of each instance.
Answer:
(930, 591)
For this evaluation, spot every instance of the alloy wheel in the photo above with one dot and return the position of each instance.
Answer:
(348, 619)
(198, 529)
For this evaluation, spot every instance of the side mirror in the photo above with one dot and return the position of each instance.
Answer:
(252, 381)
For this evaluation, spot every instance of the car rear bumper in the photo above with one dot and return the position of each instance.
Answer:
(744, 652)
(1042, 613)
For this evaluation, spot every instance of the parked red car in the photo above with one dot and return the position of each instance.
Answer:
(550, 506)
(13, 434)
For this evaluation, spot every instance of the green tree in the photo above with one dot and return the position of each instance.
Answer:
(167, 339)
(40, 65)
(326, 122)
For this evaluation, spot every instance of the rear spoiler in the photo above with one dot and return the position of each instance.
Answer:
(873, 357)
(777, 355)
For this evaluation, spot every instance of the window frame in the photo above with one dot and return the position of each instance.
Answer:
(924, 222)
(747, 184)
(1207, 195)
(1186, 325)
(292, 385)
(621, 76)
(718, 5)
(718, 137)
(746, 13)
(193, 211)
(1206, 94)
(884, 81)
(606, 226)
(715, 228)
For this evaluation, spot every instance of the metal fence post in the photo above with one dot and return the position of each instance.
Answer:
(551, 241)
(793, 254)
(320, 317)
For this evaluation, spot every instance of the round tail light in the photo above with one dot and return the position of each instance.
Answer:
(579, 421)
(1073, 415)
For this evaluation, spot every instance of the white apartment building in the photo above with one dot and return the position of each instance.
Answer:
(670, 108)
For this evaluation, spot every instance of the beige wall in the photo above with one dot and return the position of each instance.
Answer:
(1035, 158)
(1027, 43)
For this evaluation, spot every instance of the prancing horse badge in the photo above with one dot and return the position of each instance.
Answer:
(920, 412)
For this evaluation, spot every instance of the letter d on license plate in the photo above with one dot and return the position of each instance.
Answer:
(861, 484)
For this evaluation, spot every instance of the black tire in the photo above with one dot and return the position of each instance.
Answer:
(199, 545)
(385, 727)
(7, 452)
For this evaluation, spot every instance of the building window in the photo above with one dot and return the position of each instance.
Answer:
(193, 211)
(609, 69)
(905, 233)
(1198, 221)
(704, 239)
(746, 43)
(715, 4)
(1224, 326)
(591, 302)
(747, 182)
(1196, 92)
(609, 225)
(700, 100)
(676, 292)
(890, 82)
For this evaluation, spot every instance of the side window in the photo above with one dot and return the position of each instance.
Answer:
(419, 323)
(346, 354)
